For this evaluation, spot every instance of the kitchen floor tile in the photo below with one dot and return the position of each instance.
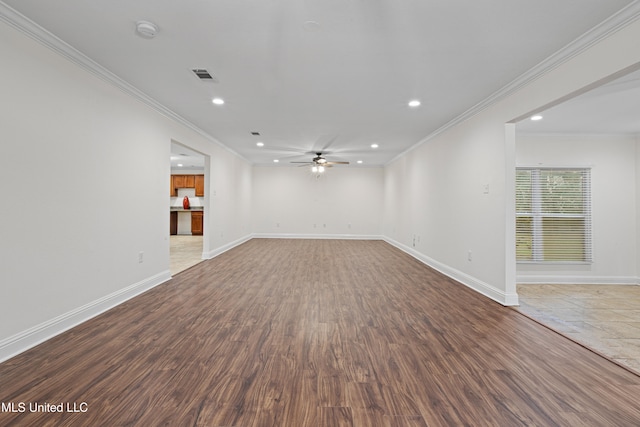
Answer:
(605, 318)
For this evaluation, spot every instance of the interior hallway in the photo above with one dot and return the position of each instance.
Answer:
(605, 318)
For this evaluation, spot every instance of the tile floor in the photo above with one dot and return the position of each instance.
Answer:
(605, 318)
(185, 251)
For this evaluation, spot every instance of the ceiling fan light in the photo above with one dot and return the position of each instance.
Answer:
(320, 169)
(314, 169)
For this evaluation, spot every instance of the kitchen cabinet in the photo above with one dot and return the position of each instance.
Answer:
(187, 181)
(178, 181)
(199, 184)
(173, 223)
(197, 223)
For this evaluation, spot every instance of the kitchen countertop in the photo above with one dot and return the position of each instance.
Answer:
(181, 209)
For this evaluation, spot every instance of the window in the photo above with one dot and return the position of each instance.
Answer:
(553, 215)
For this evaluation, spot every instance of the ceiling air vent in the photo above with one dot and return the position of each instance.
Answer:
(204, 75)
(255, 133)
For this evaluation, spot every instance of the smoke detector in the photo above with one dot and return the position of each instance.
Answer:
(146, 29)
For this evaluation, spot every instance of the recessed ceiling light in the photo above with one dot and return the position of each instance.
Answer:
(260, 144)
(218, 101)
(374, 145)
(359, 161)
(179, 165)
(276, 161)
(414, 103)
(536, 117)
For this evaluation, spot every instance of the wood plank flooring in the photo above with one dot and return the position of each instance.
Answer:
(316, 333)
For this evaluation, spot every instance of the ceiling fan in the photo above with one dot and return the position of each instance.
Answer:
(319, 163)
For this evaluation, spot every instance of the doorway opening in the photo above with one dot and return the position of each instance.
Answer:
(187, 207)
(590, 294)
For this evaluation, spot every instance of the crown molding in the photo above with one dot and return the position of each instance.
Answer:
(609, 26)
(28, 27)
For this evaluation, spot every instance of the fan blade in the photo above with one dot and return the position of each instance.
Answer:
(336, 163)
(306, 163)
(324, 142)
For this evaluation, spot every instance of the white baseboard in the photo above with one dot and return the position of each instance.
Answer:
(507, 299)
(539, 279)
(316, 236)
(31, 337)
(215, 252)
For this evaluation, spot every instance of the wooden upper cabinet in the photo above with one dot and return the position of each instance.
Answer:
(187, 181)
(199, 184)
(179, 181)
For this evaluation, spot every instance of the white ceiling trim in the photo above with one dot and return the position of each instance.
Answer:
(23, 24)
(601, 31)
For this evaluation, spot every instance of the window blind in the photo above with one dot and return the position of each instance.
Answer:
(553, 215)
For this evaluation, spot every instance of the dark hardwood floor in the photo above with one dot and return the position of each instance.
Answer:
(315, 333)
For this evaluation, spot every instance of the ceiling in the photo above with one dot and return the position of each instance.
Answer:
(334, 75)
(183, 158)
(613, 108)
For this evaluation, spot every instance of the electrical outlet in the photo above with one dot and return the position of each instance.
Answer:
(469, 255)
(140, 257)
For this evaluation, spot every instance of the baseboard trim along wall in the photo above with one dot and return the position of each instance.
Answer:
(317, 236)
(576, 280)
(224, 248)
(479, 286)
(31, 337)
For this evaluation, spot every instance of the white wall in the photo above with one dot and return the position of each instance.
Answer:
(613, 191)
(85, 177)
(445, 199)
(436, 190)
(344, 201)
(637, 207)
